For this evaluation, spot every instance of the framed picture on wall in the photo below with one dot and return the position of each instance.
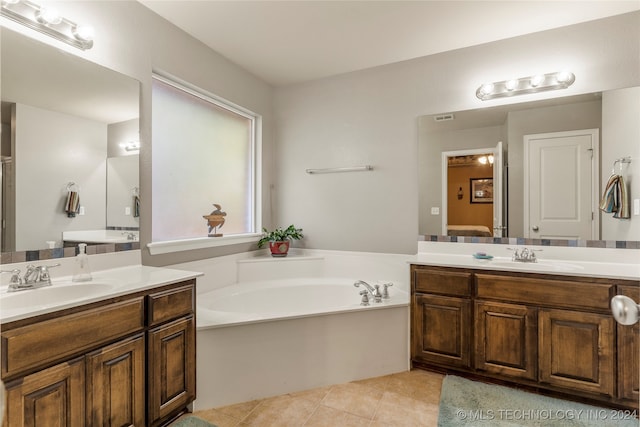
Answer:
(481, 190)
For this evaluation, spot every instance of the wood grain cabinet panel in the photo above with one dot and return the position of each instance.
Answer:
(116, 384)
(576, 350)
(442, 281)
(506, 339)
(35, 345)
(171, 304)
(172, 364)
(51, 397)
(441, 330)
(628, 353)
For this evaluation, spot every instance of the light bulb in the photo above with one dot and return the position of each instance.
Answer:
(511, 84)
(486, 88)
(49, 16)
(490, 158)
(83, 32)
(563, 76)
(537, 80)
(483, 160)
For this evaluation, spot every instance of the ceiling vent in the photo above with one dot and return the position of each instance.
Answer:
(443, 117)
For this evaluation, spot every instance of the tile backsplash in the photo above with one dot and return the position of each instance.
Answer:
(609, 244)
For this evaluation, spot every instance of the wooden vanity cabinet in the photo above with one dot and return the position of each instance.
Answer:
(547, 332)
(125, 361)
(116, 384)
(171, 353)
(506, 339)
(441, 321)
(52, 397)
(628, 353)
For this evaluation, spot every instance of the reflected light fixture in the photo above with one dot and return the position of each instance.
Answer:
(48, 20)
(486, 159)
(131, 146)
(525, 85)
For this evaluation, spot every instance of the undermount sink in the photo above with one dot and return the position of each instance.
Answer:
(52, 295)
(542, 265)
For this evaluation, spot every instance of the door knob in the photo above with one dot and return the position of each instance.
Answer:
(625, 310)
(535, 228)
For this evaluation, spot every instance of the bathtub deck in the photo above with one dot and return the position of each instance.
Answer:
(408, 398)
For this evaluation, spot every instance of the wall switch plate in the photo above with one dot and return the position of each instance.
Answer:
(636, 206)
(81, 210)
(435, 211)
(127, 210)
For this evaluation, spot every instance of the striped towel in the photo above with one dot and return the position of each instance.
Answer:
(616, 198)
(72, 206)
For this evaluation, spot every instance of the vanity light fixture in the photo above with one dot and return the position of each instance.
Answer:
(524, 85)
(131, 146)
(48, 21)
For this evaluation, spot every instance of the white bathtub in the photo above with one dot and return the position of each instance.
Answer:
(291, 298)
(267, 327)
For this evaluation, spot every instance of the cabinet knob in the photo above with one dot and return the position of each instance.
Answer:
(535, 228)
(625, 310)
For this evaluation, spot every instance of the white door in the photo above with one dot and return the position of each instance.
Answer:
(560, 185)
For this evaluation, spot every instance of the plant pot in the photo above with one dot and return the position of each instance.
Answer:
(279, 249)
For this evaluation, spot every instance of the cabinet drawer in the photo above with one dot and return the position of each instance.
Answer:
(36, 345)
(545, 292)
(435, 281)
(171, 304)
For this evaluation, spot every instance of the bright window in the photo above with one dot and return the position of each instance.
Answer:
(204, 152)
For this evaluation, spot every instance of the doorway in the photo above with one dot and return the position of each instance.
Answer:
(471, 195)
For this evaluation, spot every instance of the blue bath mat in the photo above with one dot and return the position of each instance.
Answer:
(470, 403)
(192, 421)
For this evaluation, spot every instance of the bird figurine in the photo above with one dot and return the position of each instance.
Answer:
(215, 220)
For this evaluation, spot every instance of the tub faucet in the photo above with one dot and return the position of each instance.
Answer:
(373, 290)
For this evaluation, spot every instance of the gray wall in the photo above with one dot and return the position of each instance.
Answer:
(621, 138)
(369, 117)
(53, 149)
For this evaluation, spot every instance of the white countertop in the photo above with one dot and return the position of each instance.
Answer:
(571, 267)
(63, 293)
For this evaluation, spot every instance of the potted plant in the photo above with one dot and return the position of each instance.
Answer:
(279, 239)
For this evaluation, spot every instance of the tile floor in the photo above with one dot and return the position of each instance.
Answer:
(405, 399)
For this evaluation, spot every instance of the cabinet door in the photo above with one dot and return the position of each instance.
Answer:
(576, 350)
(441, 330)
(51, 397)
(116, 384)
(628, 351)
(172, 368)
(506, 339)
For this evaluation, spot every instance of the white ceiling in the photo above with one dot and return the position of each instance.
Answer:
(287, 42)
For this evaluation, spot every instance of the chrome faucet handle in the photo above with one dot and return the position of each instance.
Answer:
(365, 297)
(377, 296)
(385, 290)
(32, 271)
(15, 280)
(44, 272)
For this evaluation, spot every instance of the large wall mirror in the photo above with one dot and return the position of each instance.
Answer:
(69, 127)
(512, 170)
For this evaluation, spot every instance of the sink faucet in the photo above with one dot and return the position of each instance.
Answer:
(525, 255)
(373, 290)
(130, 235)
(35, 277)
